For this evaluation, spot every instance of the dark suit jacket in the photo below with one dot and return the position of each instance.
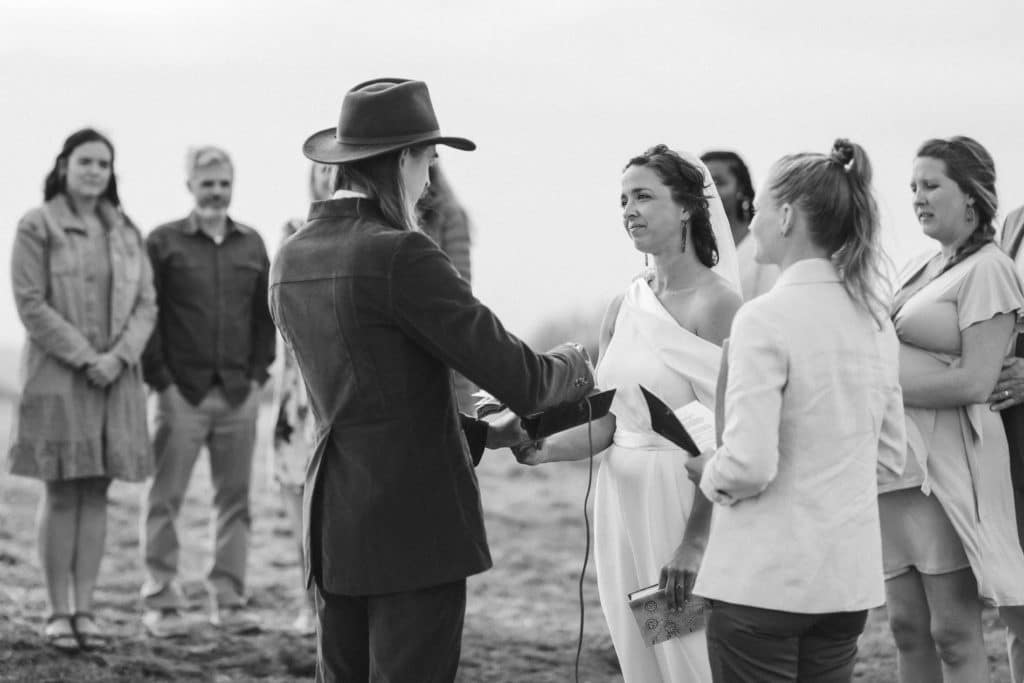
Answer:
(376, 316)
(1013, 418)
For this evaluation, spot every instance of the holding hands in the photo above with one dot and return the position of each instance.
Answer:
(695, 466)
(104, 370)
(1009, 389)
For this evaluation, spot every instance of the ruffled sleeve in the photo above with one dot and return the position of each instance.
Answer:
(991, 287)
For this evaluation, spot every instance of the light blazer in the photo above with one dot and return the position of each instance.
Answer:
(812, 406)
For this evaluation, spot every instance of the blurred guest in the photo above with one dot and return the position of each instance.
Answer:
(442, 218)
(207, 359)
(376, 316)
(812, 406)
(665, 333)
(732, 178)
(1007, 397)
(948, 529)
(294, 430)
(84, 291)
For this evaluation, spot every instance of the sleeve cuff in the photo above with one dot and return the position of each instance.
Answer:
(709, 486)
(476, 436)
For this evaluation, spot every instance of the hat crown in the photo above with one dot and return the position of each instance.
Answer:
(386, 110)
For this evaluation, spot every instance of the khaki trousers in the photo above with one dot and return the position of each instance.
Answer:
(180, 431)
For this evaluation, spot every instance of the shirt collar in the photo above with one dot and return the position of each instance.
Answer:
(808, 271)
(349, 194)
(190, 225)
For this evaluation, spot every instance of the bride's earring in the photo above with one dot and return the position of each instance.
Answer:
(684, 236)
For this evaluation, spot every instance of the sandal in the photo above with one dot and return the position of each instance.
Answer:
(60, 633)
(90, 637)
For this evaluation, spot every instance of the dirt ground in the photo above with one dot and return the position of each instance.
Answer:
(521, 620)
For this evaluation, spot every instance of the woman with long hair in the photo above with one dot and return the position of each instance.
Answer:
(664, 333)
(735, 187)
(84, 291)
(812, 404)
(377, 318)
(948, 524)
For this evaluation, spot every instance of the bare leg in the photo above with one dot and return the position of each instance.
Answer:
(910, 622)
(90, 539)
(56, 524)
(956, 626)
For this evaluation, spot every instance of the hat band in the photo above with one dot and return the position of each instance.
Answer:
(348, 140)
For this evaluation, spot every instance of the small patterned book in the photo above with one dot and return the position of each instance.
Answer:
(656, 623)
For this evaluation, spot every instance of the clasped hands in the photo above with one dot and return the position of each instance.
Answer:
(104, 370)
(1009, 390)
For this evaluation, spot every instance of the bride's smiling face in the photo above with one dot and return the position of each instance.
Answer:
(649, 214)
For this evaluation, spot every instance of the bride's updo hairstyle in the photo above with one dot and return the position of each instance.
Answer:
(834, 193)
(685, 181)
(970, 166)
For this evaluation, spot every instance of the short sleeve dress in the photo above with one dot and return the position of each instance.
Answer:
(958, 457)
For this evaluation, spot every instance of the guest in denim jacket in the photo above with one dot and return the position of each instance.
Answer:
(84, 291)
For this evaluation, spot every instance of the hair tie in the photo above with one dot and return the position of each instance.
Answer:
(842, 152)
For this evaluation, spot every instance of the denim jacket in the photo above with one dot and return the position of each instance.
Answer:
(65, 426)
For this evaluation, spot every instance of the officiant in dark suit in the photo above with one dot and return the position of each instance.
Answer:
(377, 316)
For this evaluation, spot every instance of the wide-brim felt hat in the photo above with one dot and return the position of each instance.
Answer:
(377, 117)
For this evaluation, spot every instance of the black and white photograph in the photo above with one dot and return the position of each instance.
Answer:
(556, 341)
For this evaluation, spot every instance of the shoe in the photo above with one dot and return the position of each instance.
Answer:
(237, 620)
(60, 633)
(164, 623)
(305, 623)
(90, 637)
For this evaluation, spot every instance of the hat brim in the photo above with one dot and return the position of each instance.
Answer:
(325, 148)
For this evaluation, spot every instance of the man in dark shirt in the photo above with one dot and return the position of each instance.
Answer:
(207, 358)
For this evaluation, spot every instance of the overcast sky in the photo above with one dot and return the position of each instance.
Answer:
(557, 96)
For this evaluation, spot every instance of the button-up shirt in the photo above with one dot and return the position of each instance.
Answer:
(214, 326)
(812, 407)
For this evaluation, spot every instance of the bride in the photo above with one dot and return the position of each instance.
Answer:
(664, 332)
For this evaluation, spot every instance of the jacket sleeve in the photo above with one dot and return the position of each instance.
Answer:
(264, 334)
(139, 326)
(748, 459)
(30, 274)
(154, 367)
(435, 307)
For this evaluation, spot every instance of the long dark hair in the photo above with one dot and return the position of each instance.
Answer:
(686, 184)
(380, 176)
(745, 193)
(971, 167)
(57, 181)
(834, 192)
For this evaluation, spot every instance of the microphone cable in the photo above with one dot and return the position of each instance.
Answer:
(586, 522)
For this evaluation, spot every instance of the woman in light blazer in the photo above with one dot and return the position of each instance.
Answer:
(812, 406)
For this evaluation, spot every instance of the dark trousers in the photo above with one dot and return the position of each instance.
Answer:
(753, 645)
(413, 637)
(1013, 421)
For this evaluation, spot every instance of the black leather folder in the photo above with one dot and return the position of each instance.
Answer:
(665, 423)
(568, 415)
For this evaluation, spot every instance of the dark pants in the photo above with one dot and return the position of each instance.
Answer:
(753, 645)
(1013, 421)
(413, 637)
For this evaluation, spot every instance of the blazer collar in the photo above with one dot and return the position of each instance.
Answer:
(808, 271)
(347, 206)
(66, 218)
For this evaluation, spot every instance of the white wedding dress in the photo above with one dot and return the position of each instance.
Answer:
(644, 497)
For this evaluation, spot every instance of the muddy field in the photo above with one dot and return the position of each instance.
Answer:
(521, 621)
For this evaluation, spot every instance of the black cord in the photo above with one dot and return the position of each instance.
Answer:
(586, 521)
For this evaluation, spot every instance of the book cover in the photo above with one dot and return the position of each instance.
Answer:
(657, 623)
